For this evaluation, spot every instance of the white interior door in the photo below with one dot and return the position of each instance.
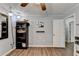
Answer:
(58, 33)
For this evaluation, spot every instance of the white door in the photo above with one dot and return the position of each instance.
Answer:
(58, 33)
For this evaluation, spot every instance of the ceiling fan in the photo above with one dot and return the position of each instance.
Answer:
(43, 6)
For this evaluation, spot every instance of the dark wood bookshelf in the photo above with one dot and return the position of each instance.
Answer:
(22, 35)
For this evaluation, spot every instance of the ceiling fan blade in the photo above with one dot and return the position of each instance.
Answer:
(24, 4)
(43, 6)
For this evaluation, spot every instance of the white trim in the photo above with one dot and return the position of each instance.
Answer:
(5, 54)
(73, 14)
(40, 45)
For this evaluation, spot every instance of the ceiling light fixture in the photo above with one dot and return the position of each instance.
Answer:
(10, 14)
(18, 16)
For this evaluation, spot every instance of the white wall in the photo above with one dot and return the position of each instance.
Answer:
(5, 43)
(40, 39)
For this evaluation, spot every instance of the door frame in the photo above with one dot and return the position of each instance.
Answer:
(70, 32)
(72, 15)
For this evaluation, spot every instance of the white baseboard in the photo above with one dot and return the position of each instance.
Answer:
(40, 45)
(8, 52)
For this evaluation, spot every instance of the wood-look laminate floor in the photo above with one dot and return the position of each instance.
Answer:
(40, 51)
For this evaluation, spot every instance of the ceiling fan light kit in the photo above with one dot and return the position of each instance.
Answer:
(43, 6)
(24, 4)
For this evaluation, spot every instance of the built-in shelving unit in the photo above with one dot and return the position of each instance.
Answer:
(76, 49)
(21, 34)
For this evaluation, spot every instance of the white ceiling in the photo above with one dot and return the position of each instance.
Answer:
(55, 9)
